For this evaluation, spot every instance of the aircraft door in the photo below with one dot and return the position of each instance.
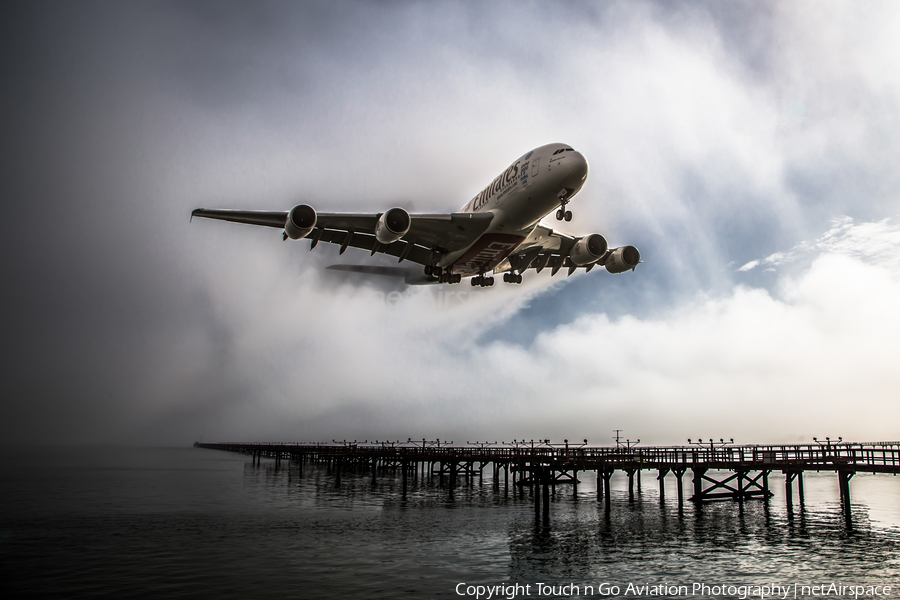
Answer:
(535, 167)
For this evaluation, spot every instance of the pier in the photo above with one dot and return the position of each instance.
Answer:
(542, 465)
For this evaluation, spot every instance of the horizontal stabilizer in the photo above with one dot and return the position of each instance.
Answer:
(411, 276)
(372, 270)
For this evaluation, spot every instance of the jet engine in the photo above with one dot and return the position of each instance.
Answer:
(588, 249)
(300, 221)
(622, 259)
(392, 225)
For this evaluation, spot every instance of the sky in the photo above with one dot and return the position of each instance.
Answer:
(748, 149)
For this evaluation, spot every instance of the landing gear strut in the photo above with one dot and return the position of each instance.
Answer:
(562, 213)
(449, 278)
(442, 275)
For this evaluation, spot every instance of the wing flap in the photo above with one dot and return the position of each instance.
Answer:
(543, 248)
(449, 232)
(365, 241)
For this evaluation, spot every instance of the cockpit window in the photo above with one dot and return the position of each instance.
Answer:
(568, 150)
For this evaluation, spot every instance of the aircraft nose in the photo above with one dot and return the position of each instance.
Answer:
(581, 165)
(577, 167)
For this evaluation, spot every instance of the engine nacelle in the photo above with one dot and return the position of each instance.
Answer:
(623, 259)
(392, 225)
(588, 249)
(300, 221)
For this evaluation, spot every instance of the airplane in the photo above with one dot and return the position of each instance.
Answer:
(497, 231)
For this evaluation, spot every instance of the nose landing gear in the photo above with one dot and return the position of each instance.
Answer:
(562, 213)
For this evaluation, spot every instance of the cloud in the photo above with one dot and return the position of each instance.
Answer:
(812, 358)
(876, 243)
(128, 323)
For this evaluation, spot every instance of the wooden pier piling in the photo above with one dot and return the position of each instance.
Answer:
(662, 483)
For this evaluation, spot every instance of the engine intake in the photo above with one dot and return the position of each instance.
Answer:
(392, 225)
(588, 249)
(623, 259)
(300, 221)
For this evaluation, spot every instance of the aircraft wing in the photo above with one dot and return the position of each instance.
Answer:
(543, 248)
(428, 233)
(546, 248)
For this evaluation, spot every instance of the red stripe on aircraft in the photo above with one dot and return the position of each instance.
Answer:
(486, 253)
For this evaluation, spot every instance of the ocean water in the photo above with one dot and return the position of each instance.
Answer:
(195, 523)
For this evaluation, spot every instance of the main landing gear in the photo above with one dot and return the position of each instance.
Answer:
(443, 276)
(482, 281)
(512, 278)
(562, 213)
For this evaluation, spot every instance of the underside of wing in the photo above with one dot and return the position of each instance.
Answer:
(428, 237)
(448, 232)
(546, 248)
(249, 217)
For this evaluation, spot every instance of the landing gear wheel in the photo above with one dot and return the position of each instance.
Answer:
(568, 215)
(428, 269)
(560, 215)
(519, 278)
(490, 281)
(474, 281)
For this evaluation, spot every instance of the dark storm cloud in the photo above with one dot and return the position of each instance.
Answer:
(94, 296)
(717, 135)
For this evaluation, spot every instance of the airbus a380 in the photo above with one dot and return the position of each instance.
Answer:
(498, 231)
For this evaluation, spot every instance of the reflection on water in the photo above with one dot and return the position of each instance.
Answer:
(192, 522)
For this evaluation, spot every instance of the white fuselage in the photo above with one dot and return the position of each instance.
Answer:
(531, 188)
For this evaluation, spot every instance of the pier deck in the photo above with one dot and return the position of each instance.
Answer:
(551, 464)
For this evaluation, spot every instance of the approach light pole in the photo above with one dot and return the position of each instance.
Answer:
(713, 444)
(566, 445)
(346, 444)
(827, 443)
(627, 443)
(387, 443)
(425, 443)
(482, 444)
